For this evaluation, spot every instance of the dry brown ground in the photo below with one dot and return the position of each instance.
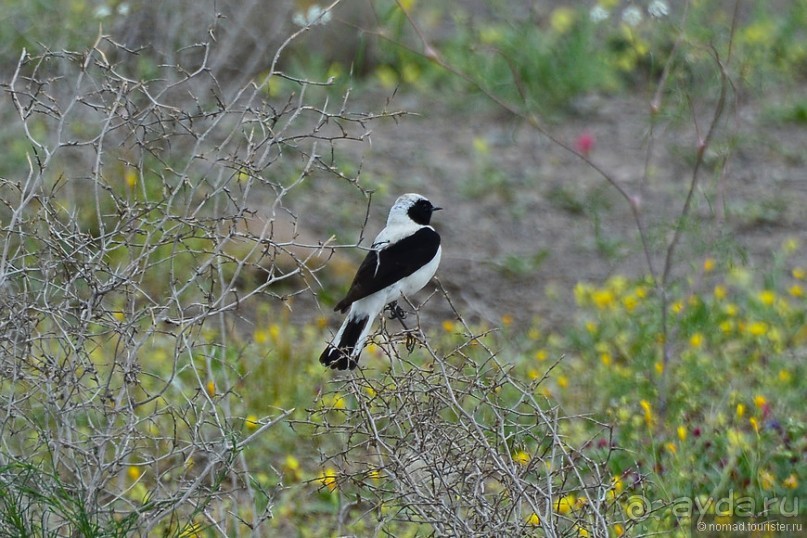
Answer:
(527, 221)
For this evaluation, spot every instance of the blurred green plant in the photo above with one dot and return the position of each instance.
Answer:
(725, 416)
(34, 503)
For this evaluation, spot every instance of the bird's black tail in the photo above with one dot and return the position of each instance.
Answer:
(340, 355)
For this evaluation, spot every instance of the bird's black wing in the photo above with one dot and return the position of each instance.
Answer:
(396, 262)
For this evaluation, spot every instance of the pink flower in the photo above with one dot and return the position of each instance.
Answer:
(584, 143)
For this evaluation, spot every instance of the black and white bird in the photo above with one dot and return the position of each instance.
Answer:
(402, 259)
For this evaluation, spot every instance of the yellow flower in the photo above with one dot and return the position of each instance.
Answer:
(291, 469)
(785, 376)
(754, 423)
(541, 355)
(291, 463)
(564, 504)
(648, 412)
(682, 433)
(522, 458)
(671, 448)
(659, 366)
(791, 482)
(766, 480)
(726, 326)
(617, 485)
(211, 388)
(799, 273)
(641, 291)
(561, 19)
(534, 520)
(322, 322)
(760, 401)
(581, 532)
(260, 336)
(606, 358)
(619, 530)
(677, 307)
(338, 402)
(131, 177)
(374, 475)
(603, 298)
(630, 302)
(767, 297)
(133, 472)
(709, 265)
(696, 340)
(251, 422)
(757, 328)
(591, 327)
(448, 326)
(796, 291)
(720, 292)
(533, 374)
(534, 334)
(328, 478)
(740, 410)
(507, 320)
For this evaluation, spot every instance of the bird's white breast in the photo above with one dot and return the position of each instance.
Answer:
(393, 234)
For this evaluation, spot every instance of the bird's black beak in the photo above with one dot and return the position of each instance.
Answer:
(436, 208)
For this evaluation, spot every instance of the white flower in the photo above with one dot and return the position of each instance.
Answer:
(632, 16)
(598, 13)
(102, 12)
(123, 9)
(658, 8)
(314, 15)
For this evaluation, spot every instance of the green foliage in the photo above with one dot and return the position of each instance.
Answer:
(722, 414)
(34, 502)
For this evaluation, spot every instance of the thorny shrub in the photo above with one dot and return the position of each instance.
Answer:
(151, 209)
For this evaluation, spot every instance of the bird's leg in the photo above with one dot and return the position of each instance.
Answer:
(394, 311)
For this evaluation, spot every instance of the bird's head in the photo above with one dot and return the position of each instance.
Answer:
(411, 206)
